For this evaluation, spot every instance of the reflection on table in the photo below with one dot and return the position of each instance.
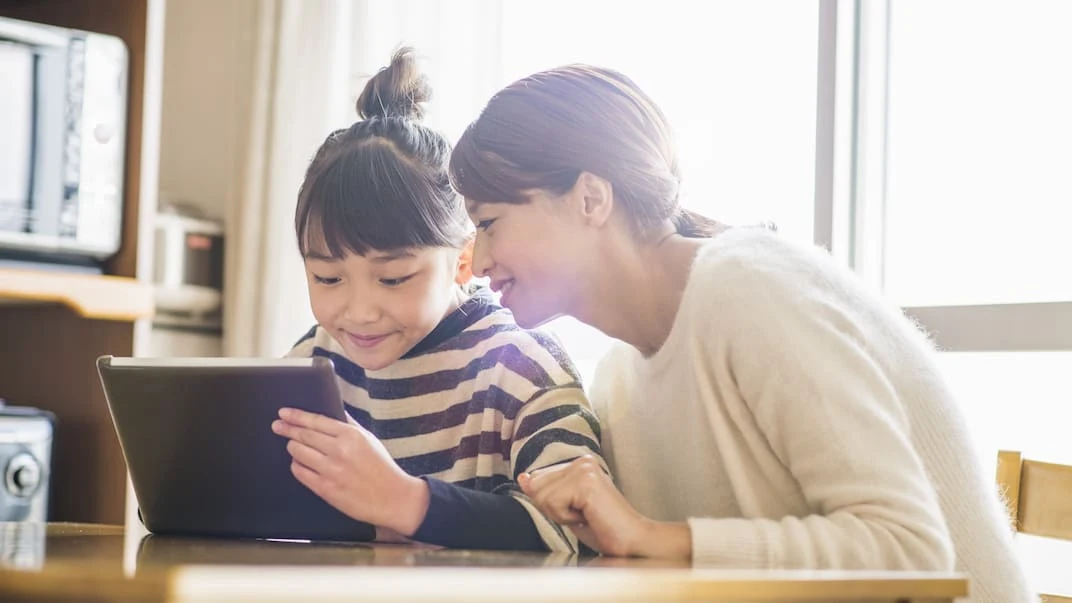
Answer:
(80, 562)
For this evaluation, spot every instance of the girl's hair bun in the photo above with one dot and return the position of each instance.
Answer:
(398, 90)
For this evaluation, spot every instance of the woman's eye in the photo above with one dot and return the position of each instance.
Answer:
(394, 282)
(325, 280)
(484, 224)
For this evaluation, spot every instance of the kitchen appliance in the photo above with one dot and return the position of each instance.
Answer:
(187, 264)
(22, 544)
(63, 109)
(25, 462)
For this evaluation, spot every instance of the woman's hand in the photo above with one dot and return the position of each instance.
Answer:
(581, 496)
(390, 536)
(352, 471)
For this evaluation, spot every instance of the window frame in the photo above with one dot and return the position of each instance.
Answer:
(850, 187)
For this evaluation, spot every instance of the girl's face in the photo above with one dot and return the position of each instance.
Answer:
(533, 254)
(379, 305)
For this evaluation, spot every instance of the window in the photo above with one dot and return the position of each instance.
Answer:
(979, 153)
(957, 184)
(970, 142)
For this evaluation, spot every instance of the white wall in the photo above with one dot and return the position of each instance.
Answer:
(208, 79)
(165, 342)
(207, 93)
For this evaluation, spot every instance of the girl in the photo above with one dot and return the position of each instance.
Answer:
(765, 409)
(451, 400)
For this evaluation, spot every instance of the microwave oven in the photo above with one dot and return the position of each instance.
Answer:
(63, 113)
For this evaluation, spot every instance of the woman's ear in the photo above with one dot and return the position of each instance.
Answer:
(597, 195)
(465, 263)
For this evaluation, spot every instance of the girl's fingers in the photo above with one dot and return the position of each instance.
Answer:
(310, 437)
(311, 458)
(311, 420)
(308, 478)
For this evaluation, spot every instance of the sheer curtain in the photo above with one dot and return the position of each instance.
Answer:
(461, 44)
(301, 70)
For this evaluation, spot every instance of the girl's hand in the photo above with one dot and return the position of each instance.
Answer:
(581, 496)
(351, 470)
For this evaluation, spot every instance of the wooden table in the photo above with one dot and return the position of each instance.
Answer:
(66, 562)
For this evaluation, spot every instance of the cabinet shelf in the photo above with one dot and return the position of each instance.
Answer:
(55, 325)
(91, 296)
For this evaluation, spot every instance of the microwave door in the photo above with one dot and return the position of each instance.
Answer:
(56, 102)
(16, 131)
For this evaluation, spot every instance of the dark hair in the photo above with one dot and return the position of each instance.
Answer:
(382, 183)
(542, 131)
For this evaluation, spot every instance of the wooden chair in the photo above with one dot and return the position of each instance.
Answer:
(1038, 497)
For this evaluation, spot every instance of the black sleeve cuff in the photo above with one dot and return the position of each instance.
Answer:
(461, 518)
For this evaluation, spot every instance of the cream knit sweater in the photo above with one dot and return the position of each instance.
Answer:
(795, 421)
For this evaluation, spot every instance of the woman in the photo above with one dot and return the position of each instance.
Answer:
(765, 409)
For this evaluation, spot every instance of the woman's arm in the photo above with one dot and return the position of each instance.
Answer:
(798, 365)
(804, 357)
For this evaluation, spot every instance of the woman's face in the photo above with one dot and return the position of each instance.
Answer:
(532, 253)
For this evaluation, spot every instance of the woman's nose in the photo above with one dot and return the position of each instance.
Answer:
(482, 262)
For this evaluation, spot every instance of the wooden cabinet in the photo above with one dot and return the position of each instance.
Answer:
(53, 327)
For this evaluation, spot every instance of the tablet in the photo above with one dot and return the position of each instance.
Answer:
(197, 439)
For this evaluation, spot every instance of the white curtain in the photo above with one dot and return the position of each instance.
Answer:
(312, 60)
(298, 70)
(461, 42)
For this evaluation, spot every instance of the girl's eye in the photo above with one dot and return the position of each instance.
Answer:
(394, 282)
(325, 281)
(484, 224)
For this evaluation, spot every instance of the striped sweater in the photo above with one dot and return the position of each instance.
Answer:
(474, 404)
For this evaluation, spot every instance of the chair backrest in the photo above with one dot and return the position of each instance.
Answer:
(1038, 497)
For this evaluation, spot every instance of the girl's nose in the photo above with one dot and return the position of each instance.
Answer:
(363, 309)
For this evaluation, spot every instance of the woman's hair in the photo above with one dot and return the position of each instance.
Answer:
(542, 131)
(382, 183)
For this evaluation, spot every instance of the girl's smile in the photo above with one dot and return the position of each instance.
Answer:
(366, 341)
